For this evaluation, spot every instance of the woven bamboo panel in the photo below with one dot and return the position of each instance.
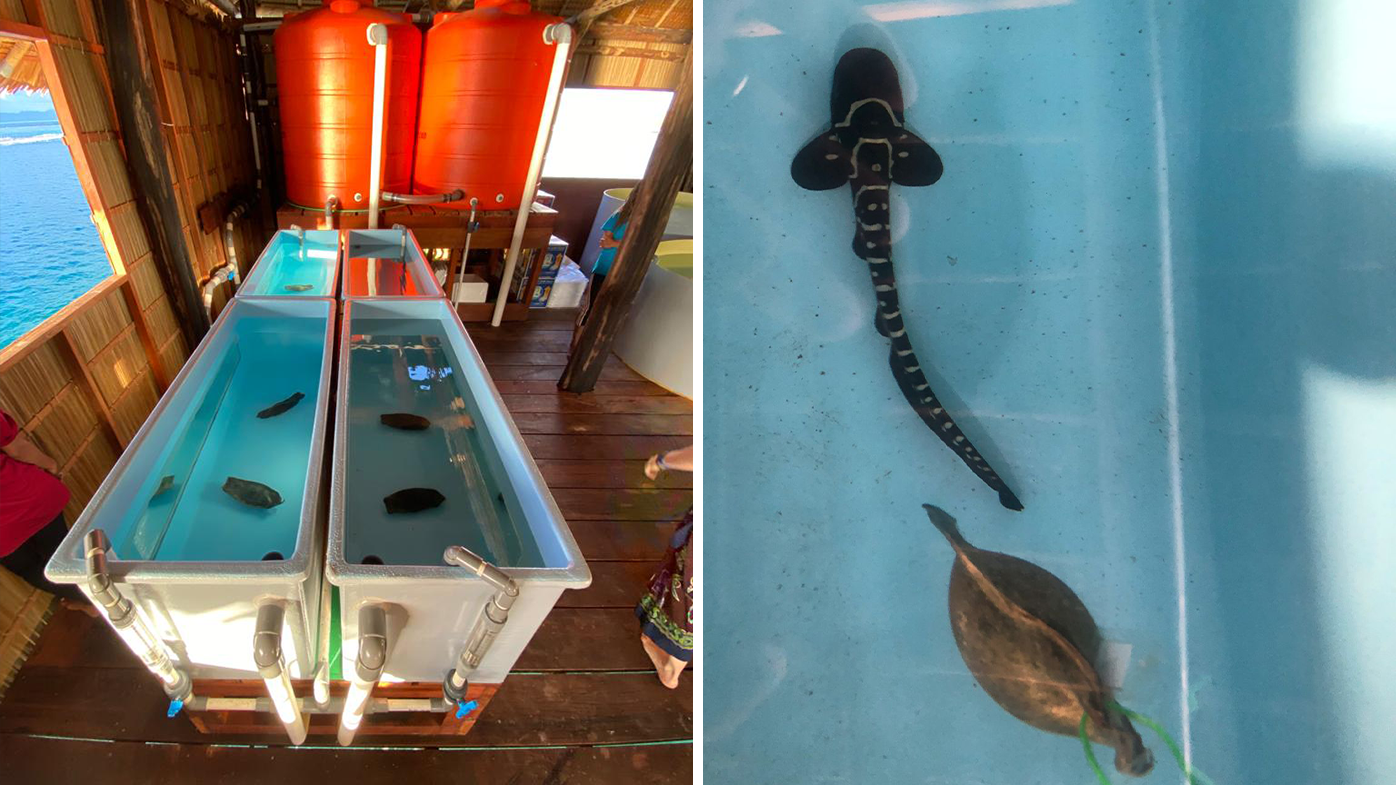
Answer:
(130, 412)
(13, 10)
(173, 353)
(611, 64)
(115, 367)
(29, 385)
(87, 93)
(61, 16)
(85, 474)
(130, 237)
(162, 322)
(146, 281)
(160, 19)
(23, 611)
(109, 170)
(174, 97)
(59, 429)
(99, 323)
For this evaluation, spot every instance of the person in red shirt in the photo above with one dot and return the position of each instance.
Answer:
(32, 498)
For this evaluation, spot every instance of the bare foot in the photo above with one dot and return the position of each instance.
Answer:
(666, 666)
(81, 607)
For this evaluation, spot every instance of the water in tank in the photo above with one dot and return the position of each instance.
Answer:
(1139, 256)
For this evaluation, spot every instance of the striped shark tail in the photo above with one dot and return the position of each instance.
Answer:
(906, 369)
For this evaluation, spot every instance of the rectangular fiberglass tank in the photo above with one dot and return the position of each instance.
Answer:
(413, 357)
(196, 560)
(386, 263)
(296, 263)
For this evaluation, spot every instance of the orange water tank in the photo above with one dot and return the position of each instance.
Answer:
(324, 75)
(484, 80)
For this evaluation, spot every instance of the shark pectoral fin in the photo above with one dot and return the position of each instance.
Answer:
(914, 162)
(822, 164)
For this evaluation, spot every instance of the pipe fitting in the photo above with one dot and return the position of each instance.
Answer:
(266, 641)
(332, 206)
(373, 643)
(125, 619)
(491, 622)
(559, 33)
(442, 198)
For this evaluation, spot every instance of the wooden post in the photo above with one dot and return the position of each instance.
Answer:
(145, 151)
(669, 164)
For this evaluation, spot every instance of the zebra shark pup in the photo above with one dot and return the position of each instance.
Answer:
(869, 148)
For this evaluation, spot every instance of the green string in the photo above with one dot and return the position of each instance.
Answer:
(1194, 776)
(1090, 753)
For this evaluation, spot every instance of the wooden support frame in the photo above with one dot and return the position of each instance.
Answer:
(407, 723)
(139, 118)
(82, 165)
(668, 166)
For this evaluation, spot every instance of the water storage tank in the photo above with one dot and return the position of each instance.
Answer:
(324, 74)
(484, 81)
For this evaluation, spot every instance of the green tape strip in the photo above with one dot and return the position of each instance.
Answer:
(1194, 776)
(336, 636)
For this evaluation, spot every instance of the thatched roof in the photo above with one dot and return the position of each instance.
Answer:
(19, 66)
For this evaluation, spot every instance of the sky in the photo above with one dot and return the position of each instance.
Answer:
(24, 102)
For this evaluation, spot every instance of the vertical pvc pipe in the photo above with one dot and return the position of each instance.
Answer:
(378, 38)
(368, 667)
(561, 36)
(271, 666)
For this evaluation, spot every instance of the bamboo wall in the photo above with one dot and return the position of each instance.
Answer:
(82, 383)
(194, 66)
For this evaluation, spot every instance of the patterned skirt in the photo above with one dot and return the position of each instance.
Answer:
(666, 610)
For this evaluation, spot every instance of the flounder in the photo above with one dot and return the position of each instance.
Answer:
(252, 493)
(1031, 644)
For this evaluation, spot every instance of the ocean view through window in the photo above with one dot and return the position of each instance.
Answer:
(50, 253)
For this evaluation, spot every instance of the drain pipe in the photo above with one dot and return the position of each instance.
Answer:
(126, 619)
(331, 209)
(223, 273)
(266, 652)
(486, 629)
(368, 667)
(378, 39)
(449, 196)
(561, 36)
(229, 246)
(470, 226)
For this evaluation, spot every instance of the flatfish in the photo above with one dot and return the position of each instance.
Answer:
(166, 483)
(412, 500)
(280, 407)
(251, 493)
(1031, 644)
(299, 287)
(405, 422)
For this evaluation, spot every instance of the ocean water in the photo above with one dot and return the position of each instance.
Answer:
(50, 253)
(1154, 287)
(399, 365)
(290, 263)
(266, 360)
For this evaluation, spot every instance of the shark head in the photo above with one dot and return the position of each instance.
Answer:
(865, 104)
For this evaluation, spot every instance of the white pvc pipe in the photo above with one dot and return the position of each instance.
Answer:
(378, 38)
(353, 714)
(560, 35)
(288, 709)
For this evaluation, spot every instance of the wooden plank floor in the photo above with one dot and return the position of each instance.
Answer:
(582, 706)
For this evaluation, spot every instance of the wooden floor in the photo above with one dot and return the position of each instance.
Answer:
(583, 705)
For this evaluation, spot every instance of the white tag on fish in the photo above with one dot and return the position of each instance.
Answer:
(1114, 663)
